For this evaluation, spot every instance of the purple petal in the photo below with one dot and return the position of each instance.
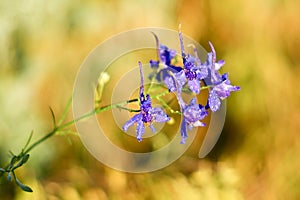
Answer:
(202, 71)
(142, 82)
(189, 62)
(194, 113)
(180, 78)
(154, 64)
(223, 89)
(181, 41)
(140, 129)
(194, 85)
(159, 115)
(131, 121)
(183, 131)
(198, 123)
(166, 54)
(213, 101)
(193, 101)
(170, 83)
(214, 56)
(219, 64)
(152, 128)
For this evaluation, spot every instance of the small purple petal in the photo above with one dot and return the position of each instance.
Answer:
(180, 77)
(201, 72)
(219, 64)
(223, 89)
(214, 56)
(142, 82)
(193, 102)
(198, 123)
(181, 41)
(213, 101)
(131, 121)
(140, 129)
(193, 112)
(166, 54)
(152, 128)
(154, 64)
(194, 86)
(183, 131)
(159, 115)
(170, 83)
(189, 62)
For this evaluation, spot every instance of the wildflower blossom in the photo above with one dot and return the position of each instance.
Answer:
(147, 115)
(221, 86)
(193, 69)
(192, 114)
(165, 57)
(191, 73)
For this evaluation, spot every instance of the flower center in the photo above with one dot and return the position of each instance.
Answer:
(189, 74)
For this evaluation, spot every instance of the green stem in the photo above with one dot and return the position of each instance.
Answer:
(67, 124)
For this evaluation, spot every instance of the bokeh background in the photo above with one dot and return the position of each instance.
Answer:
(43, 43)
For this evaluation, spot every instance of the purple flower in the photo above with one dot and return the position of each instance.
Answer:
(147, 115)
(192, 114)
(221, 86)
(165, 57)
(192, 72)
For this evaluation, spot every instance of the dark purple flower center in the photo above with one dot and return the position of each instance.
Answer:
(145, 108)
(146, 117)
(189, 74)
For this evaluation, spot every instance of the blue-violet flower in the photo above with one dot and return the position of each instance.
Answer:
(147, 115)
(221, 86)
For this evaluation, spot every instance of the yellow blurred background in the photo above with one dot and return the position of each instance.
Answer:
(43, 43)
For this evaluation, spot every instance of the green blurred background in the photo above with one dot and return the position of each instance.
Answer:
(43, 43)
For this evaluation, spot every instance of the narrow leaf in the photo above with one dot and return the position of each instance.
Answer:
(65, 112)
(2, 170)
(53, 117)
(28, 141)
(11, 153)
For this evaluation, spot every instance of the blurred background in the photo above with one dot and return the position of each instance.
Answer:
(43, 43)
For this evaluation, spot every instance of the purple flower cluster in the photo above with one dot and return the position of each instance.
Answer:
(190, 76)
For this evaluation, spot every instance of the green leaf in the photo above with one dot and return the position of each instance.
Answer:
(65, 112)
(11, 153)
(28, 141)
(53, 117)
(2, 170)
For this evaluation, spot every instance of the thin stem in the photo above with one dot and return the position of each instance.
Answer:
(206, 87)
(65, 112)
(61, 127)
(128, 109)
(40, 141)
(168, 107)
